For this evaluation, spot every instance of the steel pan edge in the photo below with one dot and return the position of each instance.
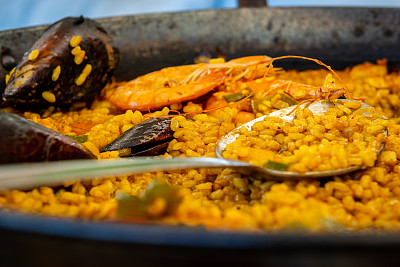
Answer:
(50, 241)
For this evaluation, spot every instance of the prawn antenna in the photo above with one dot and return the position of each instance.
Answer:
(319, 62)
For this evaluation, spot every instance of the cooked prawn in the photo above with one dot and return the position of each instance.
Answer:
(162, 88)
(179, 84)
(268, 86)
(299, 91)
(329, 90)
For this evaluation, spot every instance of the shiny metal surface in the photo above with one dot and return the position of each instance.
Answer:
(317, 108)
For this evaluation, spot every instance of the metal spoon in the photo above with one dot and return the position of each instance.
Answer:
(30, 175)
(317, 108)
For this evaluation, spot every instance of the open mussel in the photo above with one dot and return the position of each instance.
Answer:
(148, 138)
(71, 62)
(26, 141)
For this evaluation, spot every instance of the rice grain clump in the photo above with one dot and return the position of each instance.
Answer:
(223, 198)
(199, 137)
(344, 136)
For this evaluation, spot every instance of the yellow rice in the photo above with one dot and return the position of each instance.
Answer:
(221, 197)
(339, 139)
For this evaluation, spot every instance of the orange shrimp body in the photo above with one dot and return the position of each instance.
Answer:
(162, 88)
(299, 91)
(179, 84)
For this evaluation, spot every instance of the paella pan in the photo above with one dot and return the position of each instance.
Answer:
(340, 46)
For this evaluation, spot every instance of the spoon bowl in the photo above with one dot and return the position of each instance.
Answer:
(317, 108)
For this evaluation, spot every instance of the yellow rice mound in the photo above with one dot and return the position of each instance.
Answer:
(342, 137)
(221, 197)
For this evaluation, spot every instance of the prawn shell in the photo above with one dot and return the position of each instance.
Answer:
(26, 141)
(34, 76)
(151, 91)
(270, 86)
(146, 138)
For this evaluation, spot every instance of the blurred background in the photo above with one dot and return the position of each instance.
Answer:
(24, 13)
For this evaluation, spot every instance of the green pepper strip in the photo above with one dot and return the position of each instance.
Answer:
(277, 166)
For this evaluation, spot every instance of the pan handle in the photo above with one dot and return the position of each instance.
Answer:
(252, 3)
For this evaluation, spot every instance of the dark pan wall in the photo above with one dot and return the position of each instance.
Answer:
(338, 36)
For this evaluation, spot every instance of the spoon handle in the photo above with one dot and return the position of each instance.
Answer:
(30, 175)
